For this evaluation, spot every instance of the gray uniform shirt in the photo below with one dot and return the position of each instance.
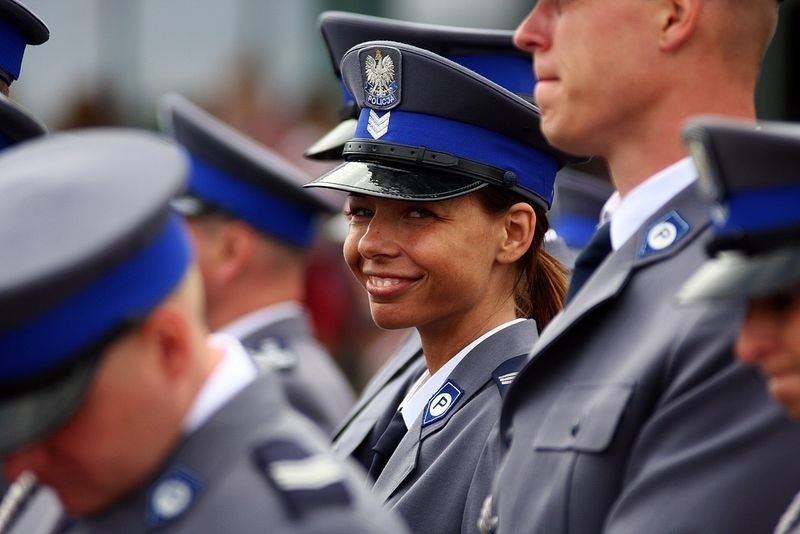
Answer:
(433, 469)
(379, 395)
(633, 415)
(255, 466)
(314, 384)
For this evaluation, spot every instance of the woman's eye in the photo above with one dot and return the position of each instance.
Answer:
(357, 212)
(419, 213)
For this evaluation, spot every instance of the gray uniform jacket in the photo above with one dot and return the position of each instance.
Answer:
(632, 414)
(314, 384)
(378, 396)
(255, 466)
(428, 477)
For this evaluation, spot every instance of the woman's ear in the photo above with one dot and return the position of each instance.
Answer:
(519, 226)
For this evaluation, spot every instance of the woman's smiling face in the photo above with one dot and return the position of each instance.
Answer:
(424, 264)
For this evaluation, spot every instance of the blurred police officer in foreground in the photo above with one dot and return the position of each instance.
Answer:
(753, 177)
(19, 27)
(487, 52)
(631, 414)
(113, 394)
(252, 224)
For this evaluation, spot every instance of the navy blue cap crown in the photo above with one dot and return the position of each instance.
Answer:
(751, 174)
(422, 111)
(95, 245)
(16, 124)
(243, 178)
(19, 27)
(579, 199)
(490, 53)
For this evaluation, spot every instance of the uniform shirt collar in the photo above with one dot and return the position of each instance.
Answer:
(628, 214)
(427, 386)
(232, 374)
(245, 325)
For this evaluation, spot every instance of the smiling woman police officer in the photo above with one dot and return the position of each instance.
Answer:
(449, 180)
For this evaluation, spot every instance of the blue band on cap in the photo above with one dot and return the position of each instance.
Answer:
(758, 210)
(12, 48)
(128, 291)
(347, 98)
(535, 169)
(252, 204)
(576, 230)
(512, 72)
(5, 142)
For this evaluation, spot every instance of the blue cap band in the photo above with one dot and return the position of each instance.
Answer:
(128, 291)
(512, 72)
(759, 210)
(12, 48)
(576, 230)
(347, 98)
(535, 170)
(288, 222)
(5, 142)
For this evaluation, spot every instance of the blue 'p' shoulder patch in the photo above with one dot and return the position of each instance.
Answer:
(305, 481)
(506, 372)
(663, 234)
(172, 495)
(441, 403)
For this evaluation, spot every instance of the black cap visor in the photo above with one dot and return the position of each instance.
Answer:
(396, 182)
(736, 275)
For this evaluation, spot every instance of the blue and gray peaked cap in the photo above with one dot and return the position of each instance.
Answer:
(431, 129)
(751, 174)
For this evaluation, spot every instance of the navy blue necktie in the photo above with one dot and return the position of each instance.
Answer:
(386, 444)
(589, 259)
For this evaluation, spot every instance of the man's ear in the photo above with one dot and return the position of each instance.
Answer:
(677, 22)
(237, 247)
(519, 225)
(168, 336)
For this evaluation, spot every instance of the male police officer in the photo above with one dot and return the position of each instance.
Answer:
(113, 394)
(752, 177)
(252, 224)
(19, 27)
(632, 415)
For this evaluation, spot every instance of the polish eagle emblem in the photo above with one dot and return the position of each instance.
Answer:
(381, 87)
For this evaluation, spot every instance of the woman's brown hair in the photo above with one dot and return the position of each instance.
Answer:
(542, 283)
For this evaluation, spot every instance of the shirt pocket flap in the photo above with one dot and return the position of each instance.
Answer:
(583, 418)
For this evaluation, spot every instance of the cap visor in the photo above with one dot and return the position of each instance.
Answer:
(380, 180)
(330, 145)
(732, 275)
(26, 417)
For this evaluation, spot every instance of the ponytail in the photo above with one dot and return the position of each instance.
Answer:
(542, 283)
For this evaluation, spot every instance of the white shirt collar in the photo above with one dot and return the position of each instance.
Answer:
(425, 388)
(232, 373)
(245, 325)
(646, 198)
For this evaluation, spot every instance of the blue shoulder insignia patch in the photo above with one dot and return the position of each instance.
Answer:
(171, 495)
(305, 481)
(506, 372)
(441, 403)
(663, 234)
